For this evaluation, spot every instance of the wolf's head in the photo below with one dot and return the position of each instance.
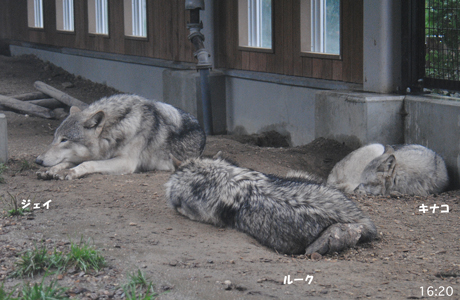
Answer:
(379, 175)
(76, 140)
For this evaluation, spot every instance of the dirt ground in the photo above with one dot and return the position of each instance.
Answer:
(128, 220)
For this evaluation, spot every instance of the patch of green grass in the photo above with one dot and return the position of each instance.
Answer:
(84, 257)
(40, 291)
(139, 287)
(4, 295)
(13, 208)
(43, 292)
(25, 166)
(38, 260)
(81, 256)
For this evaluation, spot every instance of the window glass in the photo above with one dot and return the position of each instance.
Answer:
(255, 23)
(320, 26)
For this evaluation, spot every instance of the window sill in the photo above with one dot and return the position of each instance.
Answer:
(256, 49)
(321, 55)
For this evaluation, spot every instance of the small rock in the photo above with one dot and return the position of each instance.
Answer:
(132, 224)
(67, 85)
(228, 285)
(316, 256)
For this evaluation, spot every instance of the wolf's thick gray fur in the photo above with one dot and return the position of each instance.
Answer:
(290, 215)
(121, 134)
(407, 169)
(387, 170)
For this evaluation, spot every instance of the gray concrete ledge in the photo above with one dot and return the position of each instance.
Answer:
(357, 118)
(293, 80)
(434, 122)
(148, 61)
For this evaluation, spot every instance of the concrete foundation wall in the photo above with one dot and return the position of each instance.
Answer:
(183, 90)
(435, 123)
(257, 106)
(357, 118)
(138, 79)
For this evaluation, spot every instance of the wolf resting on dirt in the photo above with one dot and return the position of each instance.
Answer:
(379, 170)
(291, 215)
(121, 134)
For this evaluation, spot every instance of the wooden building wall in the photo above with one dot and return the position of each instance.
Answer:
(286, 57)
(166, 33)
(167, 36)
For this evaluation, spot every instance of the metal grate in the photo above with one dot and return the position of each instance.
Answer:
(442, 42)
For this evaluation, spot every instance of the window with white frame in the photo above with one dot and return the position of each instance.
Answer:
(64, 15)
(135, 12)
(35, 13)
(320, 26)
(98, 17)
(255, 23)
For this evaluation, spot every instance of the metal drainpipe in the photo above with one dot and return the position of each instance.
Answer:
(204, 63)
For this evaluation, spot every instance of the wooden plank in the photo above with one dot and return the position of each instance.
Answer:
(278, 10)
(26, 107)
(337, 70)
(29, 96)
(50, 103)
(347, 39)
(327, 69)
(307, 67)
(58, 95)
(317, 68)
(297, 59)
(288, 62)
(357, 45)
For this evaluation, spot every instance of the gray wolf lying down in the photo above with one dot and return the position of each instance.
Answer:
(386, 170)
(291, 215)
(121, 134)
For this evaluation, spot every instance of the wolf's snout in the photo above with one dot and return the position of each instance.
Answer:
(39, 161)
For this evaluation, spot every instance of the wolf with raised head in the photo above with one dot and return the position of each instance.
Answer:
(397, 170)
(291, 215)
(121, 134)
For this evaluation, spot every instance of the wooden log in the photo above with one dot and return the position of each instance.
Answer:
(29, 96)
(50, 103)
(26, 107)
(58, 95)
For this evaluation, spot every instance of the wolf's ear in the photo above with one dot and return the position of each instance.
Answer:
(96, 121)
(389, 149)
(218, 155)
(175, 161)
(387, 167)
(74, 109)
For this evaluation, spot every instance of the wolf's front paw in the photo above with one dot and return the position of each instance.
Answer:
(45, 175)
(336, 238)
(65, 175)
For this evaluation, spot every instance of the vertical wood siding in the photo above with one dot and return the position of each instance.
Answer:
(167, 36)
(286, 57)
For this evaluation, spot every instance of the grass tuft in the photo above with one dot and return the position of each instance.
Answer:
(139, 287)
(43, 292)
(81, 256)
(84, 257)
(13, 208)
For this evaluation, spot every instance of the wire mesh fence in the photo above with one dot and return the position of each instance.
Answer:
(442, 41)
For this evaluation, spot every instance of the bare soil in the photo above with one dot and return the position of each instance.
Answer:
(128, 220)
